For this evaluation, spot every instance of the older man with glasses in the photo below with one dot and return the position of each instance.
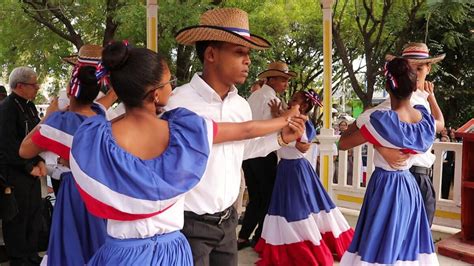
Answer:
(18, 116)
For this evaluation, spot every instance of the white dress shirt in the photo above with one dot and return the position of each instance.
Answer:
(219, 187)
(259, 101)
(418, 97)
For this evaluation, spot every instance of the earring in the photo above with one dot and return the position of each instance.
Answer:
(157, 100)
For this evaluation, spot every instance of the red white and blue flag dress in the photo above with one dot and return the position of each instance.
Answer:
(393, 228)
(142, 200)
(302, 226)
(75, 234)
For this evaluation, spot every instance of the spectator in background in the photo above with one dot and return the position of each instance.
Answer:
(342, 126)
(448, 170)
(18, 116)
(3, 93)
(452, 135)
(443, 133)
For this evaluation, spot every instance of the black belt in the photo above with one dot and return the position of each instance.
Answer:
(421, 170)
(216, 218)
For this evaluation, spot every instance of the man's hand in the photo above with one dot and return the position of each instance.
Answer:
(302, 147)
(395, 158)
(429, 87)
(39, 169)
(295, 128)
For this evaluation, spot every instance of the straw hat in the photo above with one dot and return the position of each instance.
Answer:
(277, 69)
(88, 54)
(417, 52)
(222, 24)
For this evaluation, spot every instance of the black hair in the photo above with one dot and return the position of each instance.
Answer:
(132, 71)
(307, 100)
(404, 76)
(89, 88)
(201, 47)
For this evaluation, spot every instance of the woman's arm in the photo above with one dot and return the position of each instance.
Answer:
(108, 99)
(351, 138)
(258, 128)
(28, 149)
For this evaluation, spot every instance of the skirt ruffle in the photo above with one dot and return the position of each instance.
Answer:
(303, 226)
(392, 226)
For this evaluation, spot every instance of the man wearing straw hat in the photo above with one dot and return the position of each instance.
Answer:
(223, 44)
(260, 173)
(420, 60)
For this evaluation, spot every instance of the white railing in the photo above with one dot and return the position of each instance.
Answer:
(448, 211)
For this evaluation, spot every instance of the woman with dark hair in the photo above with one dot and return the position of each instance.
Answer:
(393, 227)
(134, 170)
(303, 226)
(75, 234)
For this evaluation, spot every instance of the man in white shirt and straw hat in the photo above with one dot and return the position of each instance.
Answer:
(223, 44)
(260, 173)
(420, 60)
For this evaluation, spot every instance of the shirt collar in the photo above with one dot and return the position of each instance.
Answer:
(206, 92)
(16, 96)
(268, 90)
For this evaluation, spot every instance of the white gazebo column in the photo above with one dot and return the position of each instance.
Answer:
(327, 137)
(152, 25)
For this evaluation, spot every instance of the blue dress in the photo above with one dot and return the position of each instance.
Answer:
(392, 226)
(302, 226)
(142, 200)
(75, 234)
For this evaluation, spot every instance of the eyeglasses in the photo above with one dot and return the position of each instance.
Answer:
(173, 82)
(36, 85)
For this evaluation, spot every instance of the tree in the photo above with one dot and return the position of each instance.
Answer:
(39, 32)
(368, 31)
(450, 26)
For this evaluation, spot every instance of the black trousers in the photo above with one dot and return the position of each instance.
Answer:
(21, 234)
(260, 175)
(211, 243)
(427, 192)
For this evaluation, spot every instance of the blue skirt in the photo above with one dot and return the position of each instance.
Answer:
(392, 226)
(167, 249)
(302, 226)
(75, 234)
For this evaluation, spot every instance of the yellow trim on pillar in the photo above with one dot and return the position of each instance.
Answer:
(152, 29)
(350, 198)
(448, 215)
(327, 73)
(325, 175)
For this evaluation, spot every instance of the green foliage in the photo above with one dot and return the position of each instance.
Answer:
(449, 32)
(294, 27)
